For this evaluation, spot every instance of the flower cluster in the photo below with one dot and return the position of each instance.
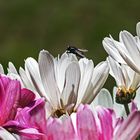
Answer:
(63, 98)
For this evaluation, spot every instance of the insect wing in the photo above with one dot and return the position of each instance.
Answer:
(82, 50)
(79, 53)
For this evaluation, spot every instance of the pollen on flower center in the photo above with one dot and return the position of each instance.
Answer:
(124, 96)
(64, 110)
(58, 113)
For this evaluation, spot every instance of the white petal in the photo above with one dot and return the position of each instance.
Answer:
(5, 135)
(104, 99)
(47, 72)
(72, 79)
(137, 98)
(73, 119)
(32, 72)
(131, 45)
(49, 110)
(136, 81)
(11, 68)
(129, 60)
(99, 77)
(110, 48)
(1, 69)
(60, 65)
(137, 39)
(86, 68)
(138, 29)
(26, 81)
(128, 74)
(116, 72)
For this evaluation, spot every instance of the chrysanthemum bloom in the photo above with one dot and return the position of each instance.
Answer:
(126, 50)
(127, 81)
(65, 81)
(103, 125)
(29, 122)
(86, 124)
(12, 97)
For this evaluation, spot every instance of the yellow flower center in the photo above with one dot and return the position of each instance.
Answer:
(124, 95)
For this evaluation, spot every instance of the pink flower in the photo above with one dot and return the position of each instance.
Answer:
(103, 125)
(86, 124)
(11, 97)
(99, 124)
(30, 121)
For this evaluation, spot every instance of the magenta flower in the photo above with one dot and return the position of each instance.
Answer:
(12, 97)
(30, 121)
(85, 124)
(103, 125)
(98, 124)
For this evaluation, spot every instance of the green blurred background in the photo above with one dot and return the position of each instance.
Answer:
(27, 26)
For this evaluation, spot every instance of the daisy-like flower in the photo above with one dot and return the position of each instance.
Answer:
(127, 80)
(101, 123)
(126, 50)
(29, 122)
(65, 81)
(12, 97)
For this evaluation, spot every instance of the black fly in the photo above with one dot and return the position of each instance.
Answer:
(78, 52)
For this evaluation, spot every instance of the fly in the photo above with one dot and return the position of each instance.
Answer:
(78, 52)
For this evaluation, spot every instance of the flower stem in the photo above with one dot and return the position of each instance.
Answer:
(126, 109)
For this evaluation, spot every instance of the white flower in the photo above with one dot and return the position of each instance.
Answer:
(65, 81)
(126, 50)
(127, 81)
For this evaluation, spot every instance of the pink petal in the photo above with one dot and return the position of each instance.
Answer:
(5, 80)
(27, 96)
(10, 95)
(133, 106)
(60, 130)
(33, 116)
(31, 134)
(29, 118)
(86, 124)
(130, 128)
(105, 117)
